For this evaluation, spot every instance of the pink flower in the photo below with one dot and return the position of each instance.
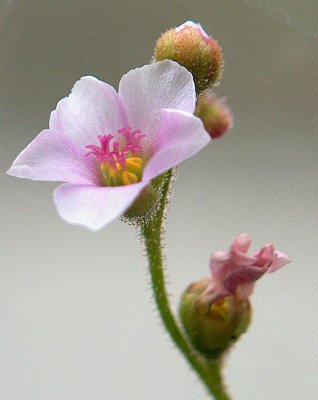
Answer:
(108, 146)
(234, 272)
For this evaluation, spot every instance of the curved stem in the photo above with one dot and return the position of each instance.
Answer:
(152, 232)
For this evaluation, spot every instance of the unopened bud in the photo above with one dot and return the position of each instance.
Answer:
(192, 47)
(212, 325)
(215, 115)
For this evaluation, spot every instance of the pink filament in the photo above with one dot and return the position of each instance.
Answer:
(112, 152)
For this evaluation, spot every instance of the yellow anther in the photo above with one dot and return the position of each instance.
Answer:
(129, 178)
(112, 172)
(220, 307)
(115, 175)
(104, 167)
(134, 163)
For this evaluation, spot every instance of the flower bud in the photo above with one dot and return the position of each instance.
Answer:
(190, 46)
(215, 115)
(212, 325)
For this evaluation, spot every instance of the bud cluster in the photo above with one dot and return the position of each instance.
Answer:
(190, 46)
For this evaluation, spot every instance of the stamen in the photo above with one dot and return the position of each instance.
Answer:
(129, 178)
(134, 163)
(105, 167)
(120, 163)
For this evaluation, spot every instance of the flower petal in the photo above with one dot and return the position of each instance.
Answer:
(241, 243)
(180, 136)
(218, 257)
(280, 259)
(218, 261)
(145, 90)
(265, 256)
(216, 290)
(52, 156)
(245, 290)
(242, 275)
(94, 206)
(93, 108)
(241, 259)
(192, 25)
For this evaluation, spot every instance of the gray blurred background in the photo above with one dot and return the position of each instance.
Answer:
(77, 317)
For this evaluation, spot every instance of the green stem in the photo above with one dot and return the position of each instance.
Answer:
(152, 232)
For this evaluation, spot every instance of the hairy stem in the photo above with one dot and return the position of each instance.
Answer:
(152, 232)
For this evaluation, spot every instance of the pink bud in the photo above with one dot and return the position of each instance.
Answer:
(192, 47)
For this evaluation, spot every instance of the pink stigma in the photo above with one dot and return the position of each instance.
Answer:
(113, 152)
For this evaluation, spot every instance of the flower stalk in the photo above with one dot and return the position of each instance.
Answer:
(152, 232)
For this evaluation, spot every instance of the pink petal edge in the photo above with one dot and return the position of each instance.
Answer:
(180, 135)
(52, 156)
(93, 108)
(241, 243)
(94, 206)
(146, 90)
(280, 260)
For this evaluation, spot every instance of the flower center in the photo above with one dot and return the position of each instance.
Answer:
(120, 161)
